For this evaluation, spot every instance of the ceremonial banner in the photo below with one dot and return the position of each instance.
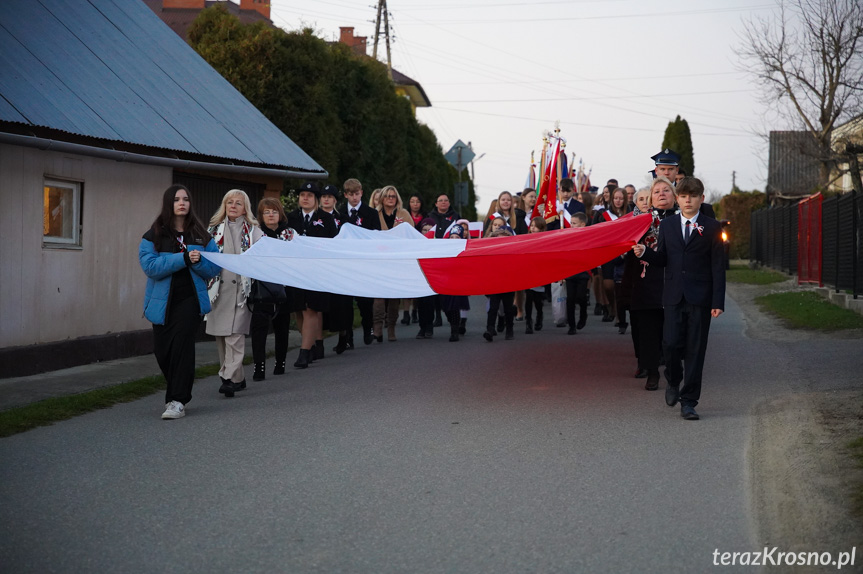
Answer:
(401, 263)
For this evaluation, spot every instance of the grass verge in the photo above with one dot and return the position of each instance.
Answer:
(743, 274)
(55, 409)
(807, 310)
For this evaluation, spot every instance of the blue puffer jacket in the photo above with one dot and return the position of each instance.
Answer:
(160, 266)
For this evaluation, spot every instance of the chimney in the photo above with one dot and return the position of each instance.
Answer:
(260, 6)
(190, 4)
(357, 44)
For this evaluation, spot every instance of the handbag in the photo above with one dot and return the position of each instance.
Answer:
(266, 297)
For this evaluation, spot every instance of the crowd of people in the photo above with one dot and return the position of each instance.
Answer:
(182, 287)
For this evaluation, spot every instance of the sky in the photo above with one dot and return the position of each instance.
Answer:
(500, 73)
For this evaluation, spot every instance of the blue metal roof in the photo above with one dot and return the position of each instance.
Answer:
(111, 69)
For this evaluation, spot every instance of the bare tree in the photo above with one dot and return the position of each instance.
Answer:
(809, 59)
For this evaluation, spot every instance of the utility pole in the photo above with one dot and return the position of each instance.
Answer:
(387, 32)
(733, 180)
(377, 29)
(382, 9)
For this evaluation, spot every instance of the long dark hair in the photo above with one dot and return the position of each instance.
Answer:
(163, 225)
(422, 210)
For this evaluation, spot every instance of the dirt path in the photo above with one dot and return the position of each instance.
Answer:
(802, 475)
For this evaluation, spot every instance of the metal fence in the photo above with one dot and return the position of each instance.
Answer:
(819, 240)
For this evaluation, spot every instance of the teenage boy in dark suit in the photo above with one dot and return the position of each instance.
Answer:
(690, 249)
(358, 213)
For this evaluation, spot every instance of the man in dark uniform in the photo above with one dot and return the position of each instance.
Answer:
(668, 164)
(340, 317)
(309, 306)
(358, 213)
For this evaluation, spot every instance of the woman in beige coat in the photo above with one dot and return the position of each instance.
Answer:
(391, 212)
(234, 229)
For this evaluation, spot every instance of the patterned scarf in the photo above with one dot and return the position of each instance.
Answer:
(651, 237)
(218, 233)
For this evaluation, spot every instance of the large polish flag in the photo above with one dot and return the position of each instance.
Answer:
(402, 263)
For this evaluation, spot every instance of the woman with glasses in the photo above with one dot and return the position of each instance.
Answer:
(274, 224)
(391, 213)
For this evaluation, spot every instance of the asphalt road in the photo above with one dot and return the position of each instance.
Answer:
(541, 454)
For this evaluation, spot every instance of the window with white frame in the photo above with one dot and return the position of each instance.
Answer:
(61, 213)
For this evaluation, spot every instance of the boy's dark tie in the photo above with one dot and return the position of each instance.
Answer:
(353, 214)
(686, 232)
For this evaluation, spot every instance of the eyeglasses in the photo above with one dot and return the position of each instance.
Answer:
(390, 197)
(270, 212)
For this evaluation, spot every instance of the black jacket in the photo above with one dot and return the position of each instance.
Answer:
(321, 224)
(694, 270)
(443, 221)
(645, 292)
(366, 217)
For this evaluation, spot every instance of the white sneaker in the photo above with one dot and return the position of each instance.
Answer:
(174, 410)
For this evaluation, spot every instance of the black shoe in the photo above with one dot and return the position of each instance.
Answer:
(501, 324)
(488, 336)
(303, 359)
(415, 316)
(429, 334)
(349, 341)
(462, 326)
(379, 338)
(581, 323)
(672, 395)
(453, 337)
(572, 331)
(640, 373)
(342, 345)
(438, 322)
(260, 371)
(606, 315)
(406, 318)
(519, 318)
(279, 369)
(509, 334)
(227, 388)
(597, 310)
(318, 349)
(622, 328)
(368, 337)
(241, 386)
(652, 383)
(538, 325)
(688, 413)
(528, 329)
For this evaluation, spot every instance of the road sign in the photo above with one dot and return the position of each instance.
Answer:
(459, 155)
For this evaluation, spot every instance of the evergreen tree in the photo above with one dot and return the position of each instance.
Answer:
(678, 138)
(339, 107)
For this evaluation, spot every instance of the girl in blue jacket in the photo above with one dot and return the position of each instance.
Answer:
(176, 295)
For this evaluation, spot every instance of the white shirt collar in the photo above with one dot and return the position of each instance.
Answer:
(683, 221)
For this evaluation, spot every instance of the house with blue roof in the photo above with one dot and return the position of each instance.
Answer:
(102, 107)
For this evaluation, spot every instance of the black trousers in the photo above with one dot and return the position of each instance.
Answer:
(494, 302)
(364, 304)
(621, 299)
(425, 312)
(533, 300)
(684, 340)
(576, 293)
(260, 327)
(647, 337)
(174, 348)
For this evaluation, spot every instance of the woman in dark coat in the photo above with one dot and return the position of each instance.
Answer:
(274, 224)
(176, 294)
(340, 318)
(309, 306)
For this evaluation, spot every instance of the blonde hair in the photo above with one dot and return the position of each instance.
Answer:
(374, 198)
(384, 190)
(490, 231)
(657, 181)
(221, 213)
(511, 213)
(351, 185)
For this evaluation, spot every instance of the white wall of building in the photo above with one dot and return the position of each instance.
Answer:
(51, 294)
